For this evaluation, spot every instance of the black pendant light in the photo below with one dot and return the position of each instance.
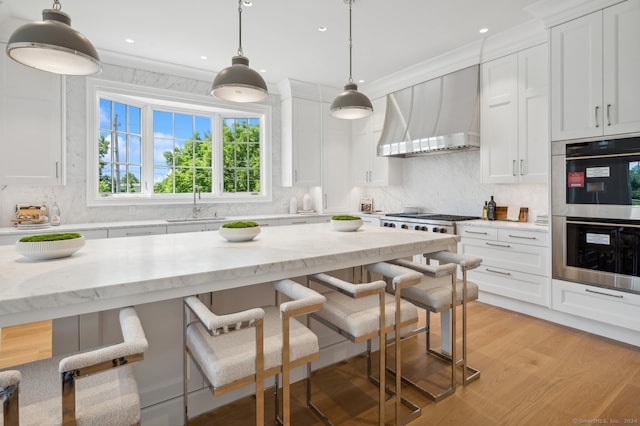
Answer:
(239, 83)
(350, 104)
(52, 45)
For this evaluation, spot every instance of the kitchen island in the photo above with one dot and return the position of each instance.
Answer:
(111, 273)
(83, 292)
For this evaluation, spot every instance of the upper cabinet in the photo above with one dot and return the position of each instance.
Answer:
(595, 64)
(31, 125)
(367, 168)
(335, 187)
(514, 117)
(301, 141)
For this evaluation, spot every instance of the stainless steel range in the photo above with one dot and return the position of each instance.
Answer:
(428, 222)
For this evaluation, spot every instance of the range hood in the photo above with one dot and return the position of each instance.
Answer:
(434, 117)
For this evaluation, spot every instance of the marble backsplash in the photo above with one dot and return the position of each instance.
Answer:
(447, 183)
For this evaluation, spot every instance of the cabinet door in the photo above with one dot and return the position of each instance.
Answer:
(307, 139)
(533, 113)
(336, 164)
(361, 151)
(621, 68)
(31, 125)
(383, 170)
(499, 120)
(576, 78)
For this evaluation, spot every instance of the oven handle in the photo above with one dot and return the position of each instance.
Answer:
(591, 157)
(611, 225)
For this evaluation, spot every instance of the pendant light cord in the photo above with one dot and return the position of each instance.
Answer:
(240, 28)
(350, 46)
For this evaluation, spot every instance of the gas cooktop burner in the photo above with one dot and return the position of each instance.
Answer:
(431, 216)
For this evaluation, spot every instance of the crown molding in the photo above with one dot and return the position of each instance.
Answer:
(554, 12)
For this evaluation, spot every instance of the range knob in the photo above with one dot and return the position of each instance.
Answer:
(417, 227)
(443, 230)
(405, 226)
(434, 229)
(424, 228)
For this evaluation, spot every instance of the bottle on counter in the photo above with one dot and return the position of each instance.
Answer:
(485, 211)
(491, 209)
(55, 214)
(43, 215)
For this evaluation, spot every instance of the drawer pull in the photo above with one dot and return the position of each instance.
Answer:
(617, 296)
(497, 272)
(522, 237)
(475, 232)
(498, 245)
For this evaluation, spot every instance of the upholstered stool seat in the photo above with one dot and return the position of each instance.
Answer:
(101, 381)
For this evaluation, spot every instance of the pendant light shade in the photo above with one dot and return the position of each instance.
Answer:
(52, 45)
(350, 104)
(239, 83)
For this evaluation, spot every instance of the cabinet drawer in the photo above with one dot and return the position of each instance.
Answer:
(516, 285)
(596, 303)
(137, 231)
(511, 256)
(481, 232)
(524, 237)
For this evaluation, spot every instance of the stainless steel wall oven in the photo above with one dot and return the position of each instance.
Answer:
(596, 212)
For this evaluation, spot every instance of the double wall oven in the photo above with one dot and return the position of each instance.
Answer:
(596, 212)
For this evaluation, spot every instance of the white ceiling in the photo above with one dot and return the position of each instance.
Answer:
(281, 36)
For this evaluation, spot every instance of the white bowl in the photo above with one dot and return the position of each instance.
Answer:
(346, 225)
(239, 234)
(43, 250)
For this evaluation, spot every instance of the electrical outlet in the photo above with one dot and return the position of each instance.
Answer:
(132, 210)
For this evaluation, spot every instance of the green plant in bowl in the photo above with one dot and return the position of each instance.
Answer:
(345, 217)
(240, 231)
(50, 246)
(241, 224)
(50, 237)
(345, 223)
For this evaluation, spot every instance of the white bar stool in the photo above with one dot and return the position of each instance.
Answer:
(361, 312)
(230, 354)
(95, 387)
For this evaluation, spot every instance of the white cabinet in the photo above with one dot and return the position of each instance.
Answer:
(31, 125)
(596, 303)
(367, 169)
(515, 141)
(595, 63)
(515, 262)
(301, 139)
(336, 164)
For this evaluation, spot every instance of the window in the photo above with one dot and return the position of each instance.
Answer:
(149, 146)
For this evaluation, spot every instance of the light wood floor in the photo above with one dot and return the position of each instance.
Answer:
(533, 373)
(25, 343)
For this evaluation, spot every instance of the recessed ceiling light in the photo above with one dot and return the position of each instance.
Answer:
(483, 30)
(204, 58)
(322, 28)
(263, 70)
(360, 81)
(129, 40)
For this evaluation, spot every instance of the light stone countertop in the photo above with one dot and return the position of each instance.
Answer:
(111, 273)
(70, 227)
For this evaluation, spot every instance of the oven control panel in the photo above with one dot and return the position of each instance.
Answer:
(443, 229)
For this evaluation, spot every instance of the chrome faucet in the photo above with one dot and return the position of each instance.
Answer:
(196, 208)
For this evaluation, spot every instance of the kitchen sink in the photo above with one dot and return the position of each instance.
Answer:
(196, 219)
